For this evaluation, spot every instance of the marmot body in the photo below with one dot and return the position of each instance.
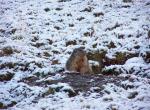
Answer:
(78, 62)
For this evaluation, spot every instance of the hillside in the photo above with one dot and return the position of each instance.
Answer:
(38, 36)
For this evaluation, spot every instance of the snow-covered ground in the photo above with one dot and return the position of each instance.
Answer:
(39, 36)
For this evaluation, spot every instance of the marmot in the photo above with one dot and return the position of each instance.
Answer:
(78, 62)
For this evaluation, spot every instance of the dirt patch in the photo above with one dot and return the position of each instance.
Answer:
(79, 82)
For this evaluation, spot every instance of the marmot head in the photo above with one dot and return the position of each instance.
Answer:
(79, 52)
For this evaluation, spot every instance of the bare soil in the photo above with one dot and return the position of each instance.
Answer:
(79, 82)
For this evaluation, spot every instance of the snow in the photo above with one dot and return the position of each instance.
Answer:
(40, 48)
(117, 98)
(93, 62)
(135, 65)
(63, 86)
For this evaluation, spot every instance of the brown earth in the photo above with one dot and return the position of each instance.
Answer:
(79, 82)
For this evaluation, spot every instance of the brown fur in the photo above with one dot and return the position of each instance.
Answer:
(78, 62)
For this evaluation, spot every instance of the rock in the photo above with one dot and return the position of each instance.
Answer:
(48, 92)
(121, 36)
(113, 107)
(71, 43)
(127, 86)
(38, 44)
(107, 99)
(113, 71)
(111, 45)
(98, 56)
(57, 27)
(64, 0)
(120, 58)
(7, 51)
(86, 107)
(58, 9)
(127, 1)
(71, 25)
(80, 18)
(47, 9)
(126, 6)
(35, 38)
(40, 74)
(1, 105)
(50, 42)
(132, 94)
(148, 3)
(6, 77)
(147, 57)
(13, 31)
(55, 51)
(30, 80)
(69, 14)
(2, 30)
(47, 54)
(65, 88)
(60, 20)
(12, 104)
(95, 67)
(54, 62)
(71, 93)
(88, 9)
(137, 47)
(96, 89)
(98, 14)
(87, 34)
(148, 34)
(94, 45)
(113, 27)
(7, 65)
(107, 91)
